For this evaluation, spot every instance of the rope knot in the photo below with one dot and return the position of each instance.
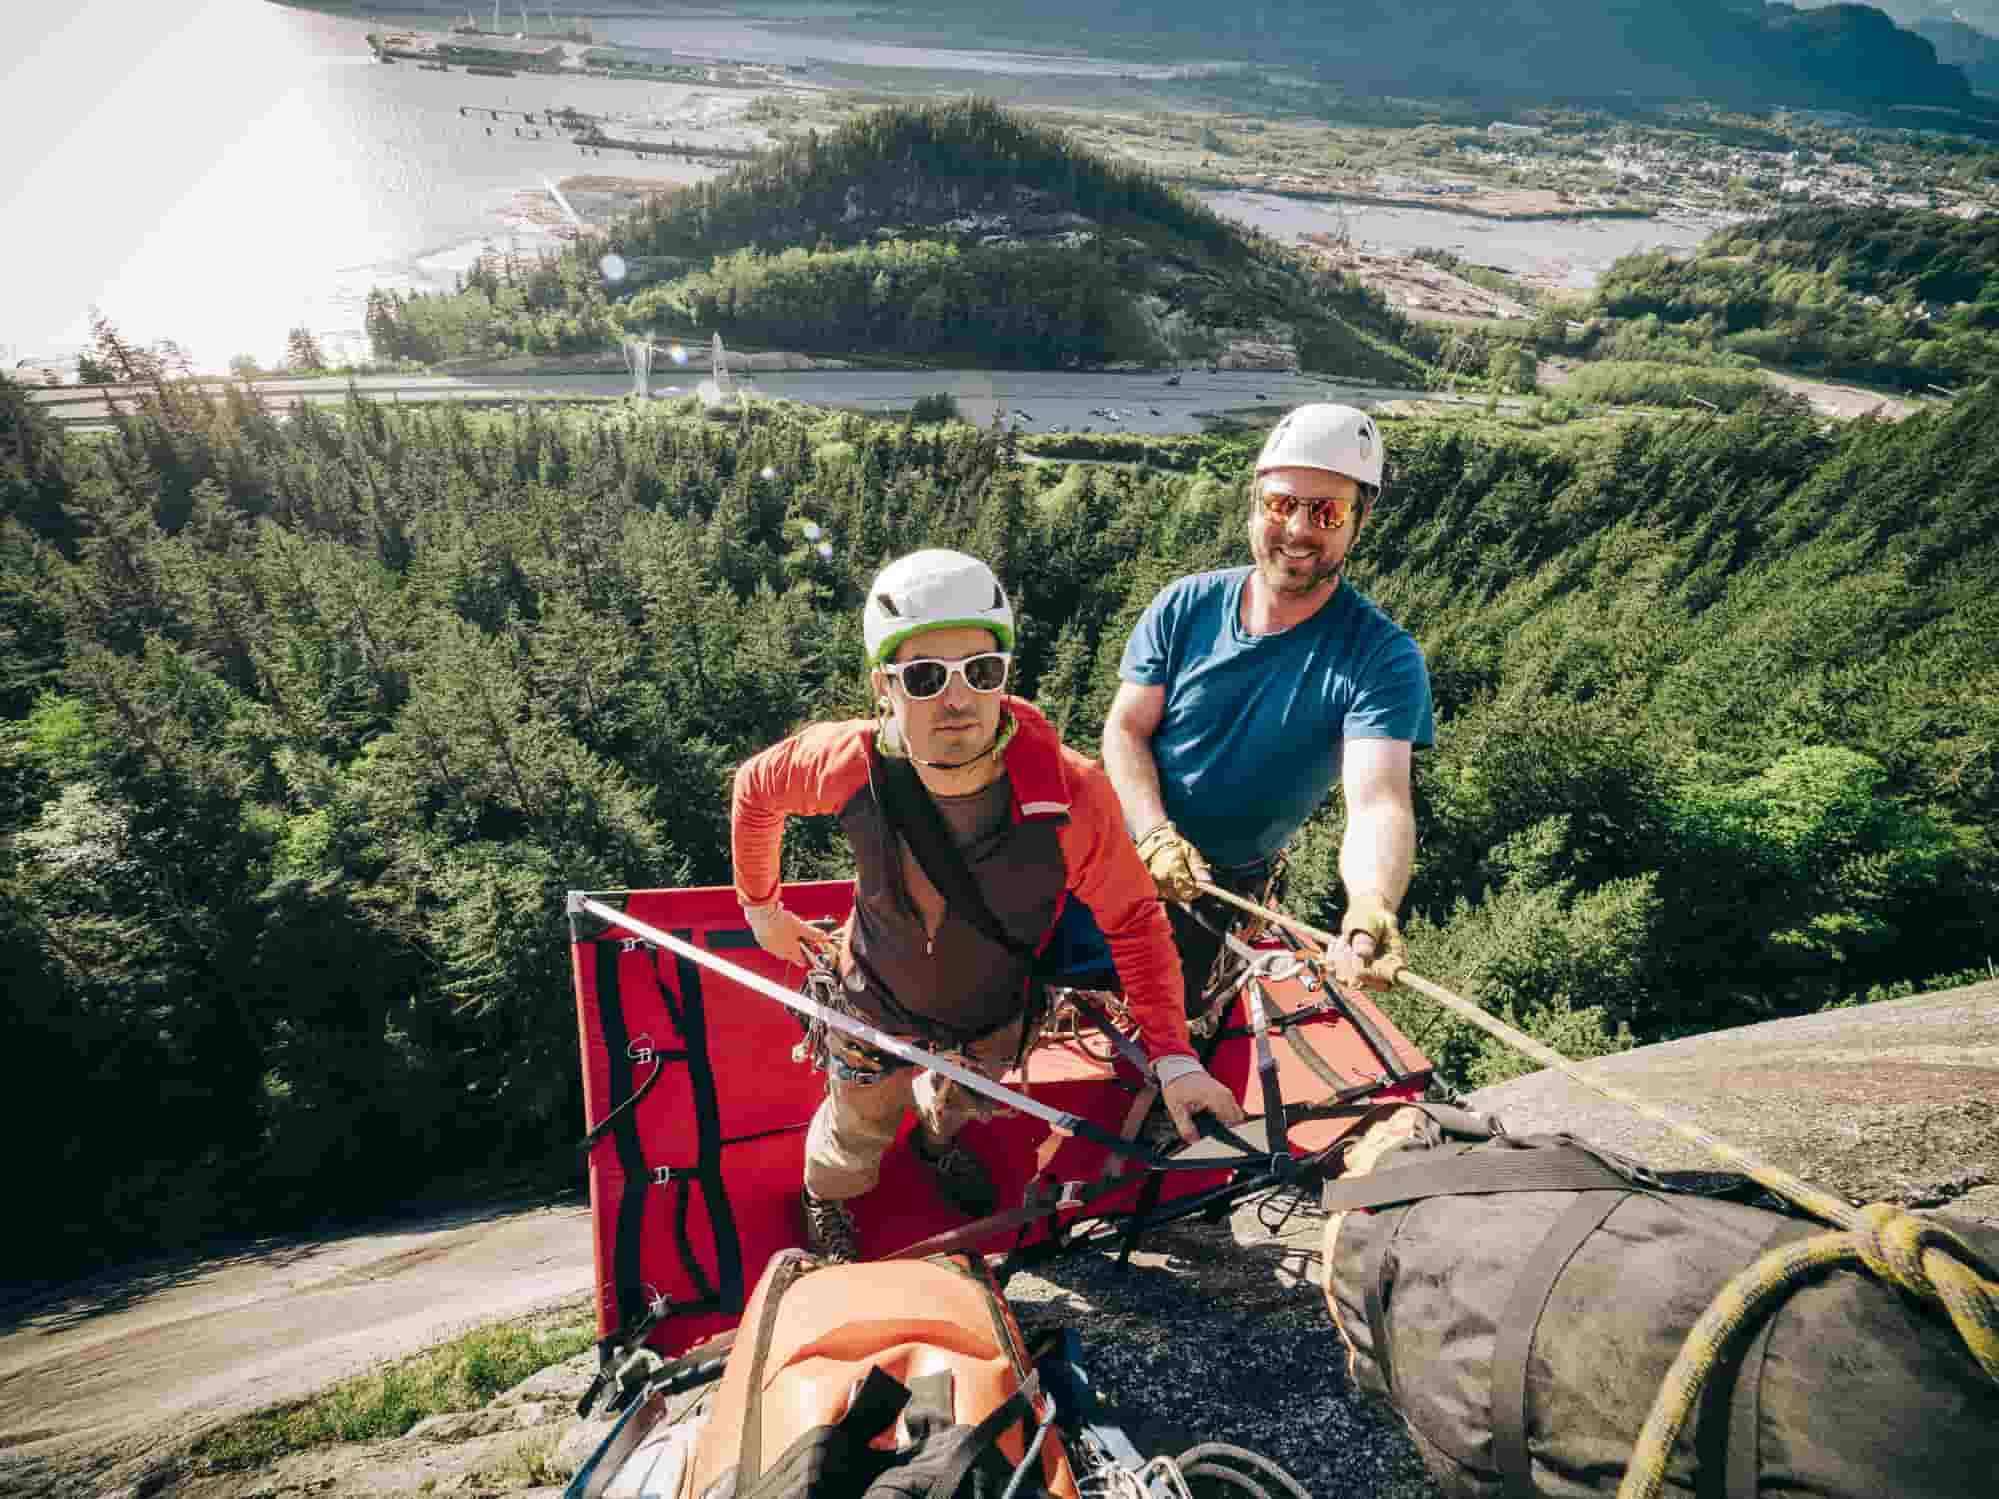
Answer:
(1891, 1240)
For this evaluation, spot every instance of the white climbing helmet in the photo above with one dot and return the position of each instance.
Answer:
(933, 590)
(1336, 438)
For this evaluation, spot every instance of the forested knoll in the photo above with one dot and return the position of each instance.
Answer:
(940, 231)
(1899, 296)
(310, 721)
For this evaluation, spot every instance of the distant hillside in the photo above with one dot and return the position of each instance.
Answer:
(1982, 14)
(1848, 55)
(1896, 296)
(1966, 48)
(1895, 254)
(950, 231)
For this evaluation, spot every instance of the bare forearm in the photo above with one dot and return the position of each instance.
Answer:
(1135, 776)
(1378, 852)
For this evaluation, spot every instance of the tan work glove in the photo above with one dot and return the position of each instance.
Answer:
(784, 935)
(1176, 865)
(1371, 951)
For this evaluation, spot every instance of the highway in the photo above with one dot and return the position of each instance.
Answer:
(1040, 400)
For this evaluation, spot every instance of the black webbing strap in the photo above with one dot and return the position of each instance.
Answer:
(1743, 1463)
(637, 1313)
(912, 813)
(1554, 1168)
(1257, 997)
(783, 1273)
(1019, 1406)
(693, 1019)
(1380, 1289)
(970, 1235)
(1513, 1339)
(603, 1127)
(1133, 1054)
(933, 1404)
(1307, 1053)
(1377, 1041)
(627, 1278)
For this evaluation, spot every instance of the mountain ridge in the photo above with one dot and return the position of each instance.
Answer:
(1842, 55)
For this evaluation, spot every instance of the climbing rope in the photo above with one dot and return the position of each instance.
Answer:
(1916, 1255)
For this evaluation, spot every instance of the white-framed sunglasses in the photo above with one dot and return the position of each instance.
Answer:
(927, 677)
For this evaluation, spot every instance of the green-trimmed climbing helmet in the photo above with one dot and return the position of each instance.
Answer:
(933, 590)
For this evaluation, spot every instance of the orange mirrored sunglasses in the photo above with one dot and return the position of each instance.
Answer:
(1329, 514)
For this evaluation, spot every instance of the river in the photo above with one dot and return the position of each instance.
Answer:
(1573, 252)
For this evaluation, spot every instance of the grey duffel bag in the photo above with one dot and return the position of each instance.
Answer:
(1519, 1302)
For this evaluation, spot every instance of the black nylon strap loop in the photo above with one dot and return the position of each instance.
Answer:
(914, 815)
(627, 1277)
(1555, 1169)
(1379, 1287)
(1018, 1406)
(1743, 1465)
(1513, 1340)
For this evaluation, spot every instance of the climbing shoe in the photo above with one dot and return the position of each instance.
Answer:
(829, 1229)
(962, 1178)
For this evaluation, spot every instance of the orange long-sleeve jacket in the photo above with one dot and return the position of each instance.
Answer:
(1067, 840)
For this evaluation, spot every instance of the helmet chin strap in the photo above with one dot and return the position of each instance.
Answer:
(955, 764)
(887, 721)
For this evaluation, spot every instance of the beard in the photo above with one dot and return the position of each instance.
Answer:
(1295, 575)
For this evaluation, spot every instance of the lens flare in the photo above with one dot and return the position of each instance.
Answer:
(811, 530)
(826, 550)
(613, 267)
(768, 472)
(677, 354)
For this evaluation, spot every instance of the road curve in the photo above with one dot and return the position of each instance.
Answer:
(96, 1375)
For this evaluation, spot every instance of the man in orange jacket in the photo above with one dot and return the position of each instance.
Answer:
(1034, 822)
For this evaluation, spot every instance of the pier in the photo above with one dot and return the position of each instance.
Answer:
(588, 133)
(665, 148)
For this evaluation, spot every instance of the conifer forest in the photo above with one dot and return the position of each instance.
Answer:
(309, 718)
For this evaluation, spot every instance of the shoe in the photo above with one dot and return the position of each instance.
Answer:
(962, 1178)
(829, 1229)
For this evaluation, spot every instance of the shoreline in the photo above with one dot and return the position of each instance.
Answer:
(1442, 203)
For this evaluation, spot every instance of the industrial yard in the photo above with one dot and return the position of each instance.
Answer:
(569, 52)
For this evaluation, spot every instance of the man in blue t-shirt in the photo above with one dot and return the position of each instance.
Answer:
(1248, 692)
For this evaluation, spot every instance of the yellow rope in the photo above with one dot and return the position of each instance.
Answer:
(1917, 1255)
(1914, 1254)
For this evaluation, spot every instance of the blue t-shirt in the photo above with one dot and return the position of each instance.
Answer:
(1249, 742)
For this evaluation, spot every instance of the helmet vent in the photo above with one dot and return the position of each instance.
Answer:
(888, 606)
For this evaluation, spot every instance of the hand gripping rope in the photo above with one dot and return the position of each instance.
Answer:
(1242, 1153)
(1916, 1255)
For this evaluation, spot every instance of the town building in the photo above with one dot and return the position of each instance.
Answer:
(500, 52)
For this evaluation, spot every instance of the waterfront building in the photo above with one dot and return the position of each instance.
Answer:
(500, 52)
